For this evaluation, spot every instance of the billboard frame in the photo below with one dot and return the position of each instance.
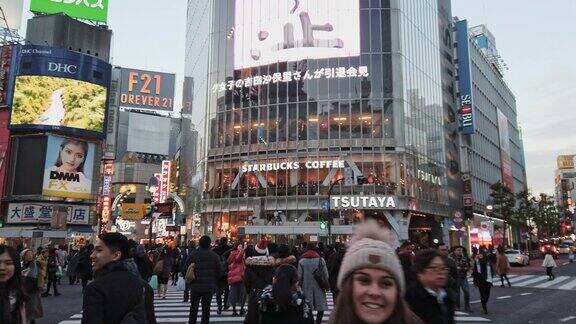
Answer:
(60, 54)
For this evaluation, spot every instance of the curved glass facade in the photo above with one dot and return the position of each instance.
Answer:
(378, 111)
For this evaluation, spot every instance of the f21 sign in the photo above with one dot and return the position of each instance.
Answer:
(147, 90)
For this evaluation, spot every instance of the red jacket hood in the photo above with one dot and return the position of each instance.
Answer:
(310, 254)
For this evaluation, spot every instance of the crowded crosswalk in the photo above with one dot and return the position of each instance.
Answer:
(173, 310)
(539, 281)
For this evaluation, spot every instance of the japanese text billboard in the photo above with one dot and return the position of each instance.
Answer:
(147, 90)
(466, 111)
(267, 31)
(61, 90)
(84, 9)
(69, 168)
(19, 213)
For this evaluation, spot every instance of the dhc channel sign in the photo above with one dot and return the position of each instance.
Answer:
(466, 111)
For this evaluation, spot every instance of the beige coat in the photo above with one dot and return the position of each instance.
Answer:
(502, 264)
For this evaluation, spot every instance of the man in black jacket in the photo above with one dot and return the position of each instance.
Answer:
(428, 298)
(115, 295)
(223, 251)
(207, 272)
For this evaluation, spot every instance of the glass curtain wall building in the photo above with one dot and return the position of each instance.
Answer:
(312, 100)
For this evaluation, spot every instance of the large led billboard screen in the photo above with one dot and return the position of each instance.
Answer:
(68, 168)
(60, 90)
(84, 9)
(267, 31)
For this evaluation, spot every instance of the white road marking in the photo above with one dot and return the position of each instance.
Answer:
(568, 286)
(553, 282)
(525, 294)
(531, 281)
(503, 297)
(566, 319)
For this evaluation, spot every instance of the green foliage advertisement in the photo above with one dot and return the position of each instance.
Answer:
(44, 100)
(84, 9)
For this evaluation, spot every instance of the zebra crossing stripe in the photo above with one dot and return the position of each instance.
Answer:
(520, 278)
(569, 286)
(532, 281)
(553, 282)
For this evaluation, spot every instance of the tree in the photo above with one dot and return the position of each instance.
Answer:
(504, 203)
(526, 210)
(548, 218)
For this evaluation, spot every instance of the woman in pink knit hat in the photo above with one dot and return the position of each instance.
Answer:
(371, 280)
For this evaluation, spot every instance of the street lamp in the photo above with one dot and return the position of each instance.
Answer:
(152, 188)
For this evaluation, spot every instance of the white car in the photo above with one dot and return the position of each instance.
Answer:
(516, 257)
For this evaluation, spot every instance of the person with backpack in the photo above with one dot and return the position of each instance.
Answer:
(283, 301)
(52, 269)
(313, 277)
(204, 281)
(115, 296)
(223, 250)
(184, 255)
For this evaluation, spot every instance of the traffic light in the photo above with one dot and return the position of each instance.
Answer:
(323, 225)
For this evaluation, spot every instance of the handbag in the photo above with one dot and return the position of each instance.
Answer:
(190, 275)
(181, 285)
(154, 282)
(320, 278)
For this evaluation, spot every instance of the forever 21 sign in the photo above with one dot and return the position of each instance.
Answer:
(147, 90)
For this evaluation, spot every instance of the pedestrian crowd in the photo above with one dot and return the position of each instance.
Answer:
(372, 279)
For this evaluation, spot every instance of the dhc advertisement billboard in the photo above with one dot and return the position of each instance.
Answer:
(467, 122)
(59, 90)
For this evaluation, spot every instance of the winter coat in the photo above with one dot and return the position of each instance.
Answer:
(144, 265)
(334, 264)
(258, 274)
(131, 266)
(223, 252)
(206, 271)
(482, 272)
(72, 263)
(42, 270)
(426, 306)
(167, 262)
(299, 311)
(236, 267)
(84, 266)
(10, 313)
(114, 294)
(462, 265)
(502, 264)
(309, 262)
(549, 261)
(34, 308)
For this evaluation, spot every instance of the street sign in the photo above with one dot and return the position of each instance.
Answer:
(325, 205)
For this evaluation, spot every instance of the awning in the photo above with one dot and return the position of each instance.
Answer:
(81, 229)
(27, 232)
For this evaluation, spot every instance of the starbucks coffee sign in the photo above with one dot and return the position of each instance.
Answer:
(364, 202)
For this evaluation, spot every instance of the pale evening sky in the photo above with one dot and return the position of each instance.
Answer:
(534, 39)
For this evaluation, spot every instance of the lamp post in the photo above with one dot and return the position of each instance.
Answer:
(152, 188)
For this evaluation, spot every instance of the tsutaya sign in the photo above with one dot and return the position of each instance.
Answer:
(339, 164)
(363, 202)
(289, 76)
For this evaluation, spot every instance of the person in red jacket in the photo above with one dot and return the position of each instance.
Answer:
(236, 268)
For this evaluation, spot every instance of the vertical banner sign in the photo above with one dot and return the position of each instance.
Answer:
(5, 62)
(165, 180)
(156, 195)
(466, 111)
(106, 191)
(506, 162)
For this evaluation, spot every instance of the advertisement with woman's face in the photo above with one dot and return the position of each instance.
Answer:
(69, 168)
